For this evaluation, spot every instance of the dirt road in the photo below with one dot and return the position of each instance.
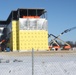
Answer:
(39, 53)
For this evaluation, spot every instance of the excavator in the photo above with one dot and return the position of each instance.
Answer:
(66, 46)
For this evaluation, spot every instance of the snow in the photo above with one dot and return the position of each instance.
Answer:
(43, 65)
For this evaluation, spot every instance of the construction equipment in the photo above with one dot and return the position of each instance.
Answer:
(54, 44)
(67, 46)
(65, 31)
(25, 28)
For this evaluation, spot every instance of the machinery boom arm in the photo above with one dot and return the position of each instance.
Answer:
(65, 31)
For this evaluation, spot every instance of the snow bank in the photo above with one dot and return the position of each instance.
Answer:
(43, 65)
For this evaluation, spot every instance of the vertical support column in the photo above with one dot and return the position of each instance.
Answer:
(17, 37)
(14, 35)
(32, 61)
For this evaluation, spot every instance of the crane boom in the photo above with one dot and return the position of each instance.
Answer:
(65, 31)
(68, 30)
(53, 41)
(59, 39)
(66, 46)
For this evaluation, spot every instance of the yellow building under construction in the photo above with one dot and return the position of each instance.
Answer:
(27, 29)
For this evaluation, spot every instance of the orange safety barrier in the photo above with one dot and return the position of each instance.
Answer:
(31, 17)
(37, 17)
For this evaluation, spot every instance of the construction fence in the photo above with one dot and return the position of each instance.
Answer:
(38, 63)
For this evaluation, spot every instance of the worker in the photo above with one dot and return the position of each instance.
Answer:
(7, 49)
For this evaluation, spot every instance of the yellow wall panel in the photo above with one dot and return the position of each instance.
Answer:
(14, 35)
(28, 39)
(33, 39)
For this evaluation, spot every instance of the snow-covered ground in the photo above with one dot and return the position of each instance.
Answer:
(43, 65)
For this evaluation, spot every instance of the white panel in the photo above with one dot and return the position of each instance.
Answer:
(32, 24)
(1, 30)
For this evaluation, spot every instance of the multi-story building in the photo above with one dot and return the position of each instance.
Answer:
(27, 29)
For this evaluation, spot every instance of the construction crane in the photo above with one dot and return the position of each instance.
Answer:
(57, 37)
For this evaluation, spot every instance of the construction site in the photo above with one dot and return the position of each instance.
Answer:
(27, 29)
(25, 48)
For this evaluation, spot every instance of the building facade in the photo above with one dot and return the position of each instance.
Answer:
(27, 29)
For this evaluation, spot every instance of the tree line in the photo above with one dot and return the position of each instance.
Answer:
(71, 43)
